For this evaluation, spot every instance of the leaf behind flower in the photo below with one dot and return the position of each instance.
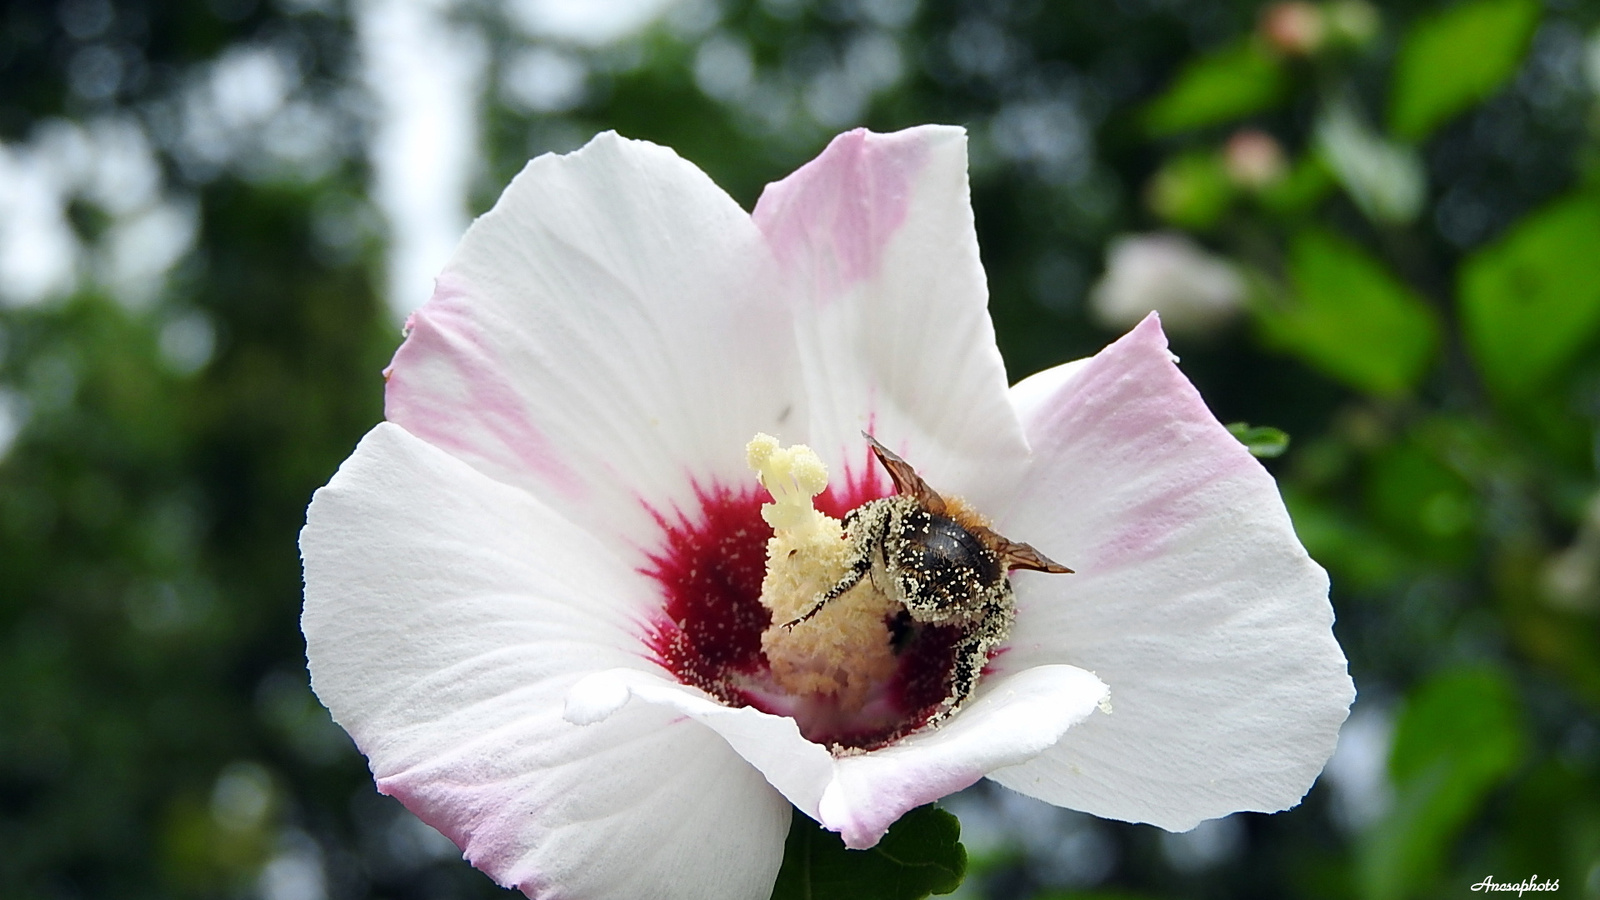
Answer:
(921, 855)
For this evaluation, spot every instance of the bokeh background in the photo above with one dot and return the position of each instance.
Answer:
(1376, 230)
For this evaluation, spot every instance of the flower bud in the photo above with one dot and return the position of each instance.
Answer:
(1254, 159)
(1294, 28)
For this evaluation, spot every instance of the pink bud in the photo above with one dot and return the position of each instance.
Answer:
(1253, 158)
(1293, 27)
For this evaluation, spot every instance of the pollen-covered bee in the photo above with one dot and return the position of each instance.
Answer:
(941, 564)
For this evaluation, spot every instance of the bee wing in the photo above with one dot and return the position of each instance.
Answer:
(906, 479)
(1023, 556)
(907, 482)
(1016, 555)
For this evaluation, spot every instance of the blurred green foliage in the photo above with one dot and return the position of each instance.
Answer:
(1530, 301)
(1263, 440)
(1455, 58)
(1458, 735)
(920, 855)
(1221, 86)
(1422, 317)
(1192, 190)
(1351, 318)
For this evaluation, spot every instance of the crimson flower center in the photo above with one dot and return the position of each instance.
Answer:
(710, 563)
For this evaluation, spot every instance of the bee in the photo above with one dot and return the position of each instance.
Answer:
(940, 565)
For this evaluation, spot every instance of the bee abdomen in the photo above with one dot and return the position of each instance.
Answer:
(943, 572)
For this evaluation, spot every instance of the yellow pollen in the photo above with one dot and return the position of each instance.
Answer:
(844, 650)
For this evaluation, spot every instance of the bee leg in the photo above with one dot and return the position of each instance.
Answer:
(864, 526)
(850, 580)
(972, 654)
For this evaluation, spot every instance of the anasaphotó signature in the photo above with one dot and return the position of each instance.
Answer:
(1532, 883)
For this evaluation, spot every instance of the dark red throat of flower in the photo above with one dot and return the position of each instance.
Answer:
(710, 566)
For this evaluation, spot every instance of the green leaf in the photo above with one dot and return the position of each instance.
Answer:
(1458, 736)
(1305, 185)
(1112, 894)
(1344, 543)
(1531, 301)
(1262, 440)
(1464, 719)
(1429, 509)
(1192, 191)
(1353, 319)
(1455, 58)
(1228, 84)
(921, 855)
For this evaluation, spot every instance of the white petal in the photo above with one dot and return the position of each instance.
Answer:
(1033, 392)
(1010, 720)
(1193, 600)
(608, 334)
(799, 769)
(875, 240)
(447, 615)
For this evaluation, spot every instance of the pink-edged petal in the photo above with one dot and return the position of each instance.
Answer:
(608, 333)
(446, 617)
(876, 246)
(1010, 720)
(1030, 394)
(1193, 600)
(798, 768)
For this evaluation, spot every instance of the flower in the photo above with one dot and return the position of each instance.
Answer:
(531, 594)
(1193, 291)
(1254, 159)
(1294, 27)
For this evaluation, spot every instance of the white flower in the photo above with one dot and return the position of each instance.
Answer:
(514, 583)
(1194, 291)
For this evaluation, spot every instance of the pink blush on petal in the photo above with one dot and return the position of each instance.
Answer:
(843, 207)
(1131, 400)
(444, 333)
(465, 814)
(1147, 532)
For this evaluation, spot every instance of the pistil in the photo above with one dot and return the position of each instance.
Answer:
(839, 655)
